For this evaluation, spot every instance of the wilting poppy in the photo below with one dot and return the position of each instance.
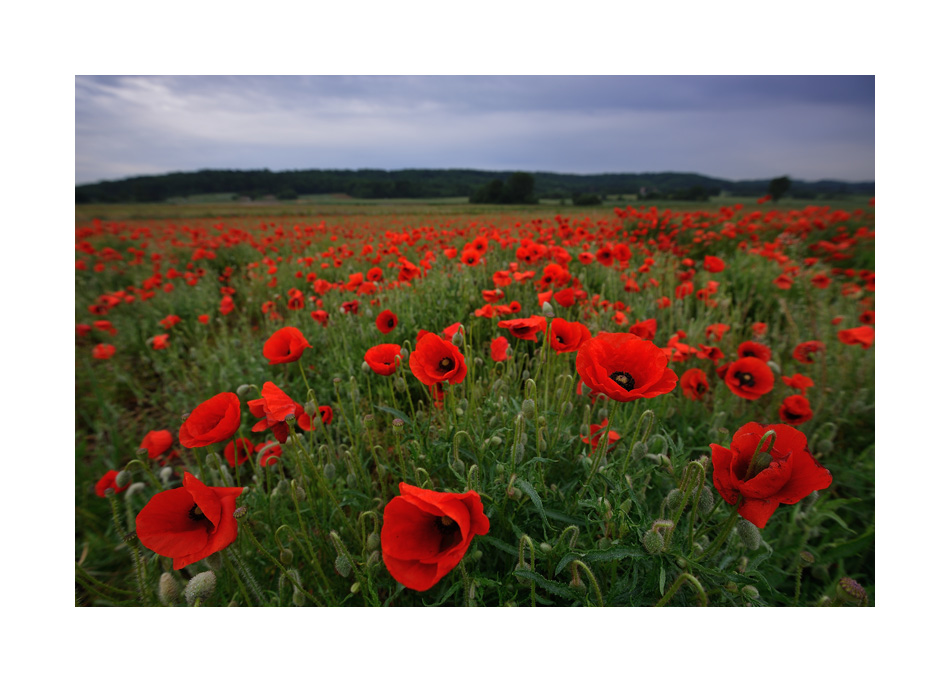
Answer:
(567, 337)
(285, 345)
(795, 409)
(804, 351)
(525, 327)
(157, 443)
(426, 533)
(782, 472)
(103, 351)
(384, 359)
(213, 421)
(749, 378)
(244, 448)
(499, 349)
(695, 383)
(435, 360)
(624, 367)
(863, 336)
(189, 523)
(108, 482)
(386, 321)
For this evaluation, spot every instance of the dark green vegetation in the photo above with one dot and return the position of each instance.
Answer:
(418, 184)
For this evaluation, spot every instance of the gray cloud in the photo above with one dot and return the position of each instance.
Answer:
(727, 126)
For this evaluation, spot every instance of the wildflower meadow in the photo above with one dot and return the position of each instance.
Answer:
(519, 406)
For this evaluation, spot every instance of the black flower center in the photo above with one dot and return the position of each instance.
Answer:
(449, 532)
(446, 364)
(701, 388)
(195, 513)
(624, 380)
(745, 379)
(559, 339)
(390, 323)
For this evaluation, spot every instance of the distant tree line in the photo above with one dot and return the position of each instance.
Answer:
(479, 186)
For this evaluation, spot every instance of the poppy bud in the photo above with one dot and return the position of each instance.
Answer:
(807, 557)
(290, 419)
(342, 565)
(298, 599)
(244, 389)
(567, 408)
(329, 471)
(372, 541)
(200, 587)
(749, 534)
(373, 558)
(479, 362)
(400, 384)
(652, 542)
(849, 590)
(498, 386)
(527, 407)
(547, 310)
(168, 591)
(165, 474)
(398, 425)
(463, 404)
(457, 338)
(283, 485)
(404, 353)
(545, 548)
(674, 498)
(495, 440)
(750, 592)
(774, 366)
(134, 489)
(310, 409)
(351, 480)
(355, 588)
(519, 454)
(286, 556)
(123, 478)
(585, 431)
(141, 452)
(705, 500)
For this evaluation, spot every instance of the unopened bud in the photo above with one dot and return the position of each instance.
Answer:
(141, 452)
(329, 471)
(652, 542)
(373, 558)
(286, 556)
(290, 419)
(372, 541)
(807, 557)
(545, 548)
(479, 362)
(639, 450)
(355, 588)
(566, 408)
(495, 440)
(342, 565)
(547, 309)
(400, 384)
(165, 474)
(298, 599)
(674, 498)
(123, 478)
(457, 338)
(528, 407)
(705, 500)
(774, 366)
(134, 489)
(750, 592)
(200, 587)
(365, 367)
(351, 480)
(244, 389)
(749, 534)
(168, 590)
(310, 408)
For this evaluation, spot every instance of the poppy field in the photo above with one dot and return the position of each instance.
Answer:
(529, 406)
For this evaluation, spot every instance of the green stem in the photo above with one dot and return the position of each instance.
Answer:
(674, 588)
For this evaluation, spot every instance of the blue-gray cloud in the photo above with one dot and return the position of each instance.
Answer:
(734, 127)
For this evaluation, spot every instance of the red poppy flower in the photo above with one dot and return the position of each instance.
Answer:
(108, 481)
(710, 353)
(798, 382)
(273, 408)
(663, 302)
(499, 349)
(285, 345)
(863, 336)
(804, 351)
(713, 264)
(103, 351)
(751, 349)
(269, 451)
(159, 342)
(565, 297)
(321, 316)
(624, 367)
(227, 305)
(189, 523)
(157, 443)
(244, 448)
(645, 329)
(695, 383)
(525, 327)
(352, 307)
(386, 321)
(169, 321)
(783, 281)
(435, 360)
(471, 256)
(204, 319)
(426, 533)
(567, 337)
(749, 378)
(384, 359)
(759, 328)
(795, 409)
(595, 434)
(785, 473)
(449, 332)
(821, 281)
(213, 421)
(105, 326)
(326, 414)
(714, 332)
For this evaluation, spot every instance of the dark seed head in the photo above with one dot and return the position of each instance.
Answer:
(624, 380)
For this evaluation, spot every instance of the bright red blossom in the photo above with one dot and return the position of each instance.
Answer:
(285, 345)
(749, 378)
(624, 367)
(189, 523)
(782, 472)
(157, 443)
(384, 359)
(107, 482)
(386, 321)
(695, 383)
(435, 360)
(426, 533)
(213, 421)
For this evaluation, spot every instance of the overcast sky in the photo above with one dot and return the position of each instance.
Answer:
(730, 127)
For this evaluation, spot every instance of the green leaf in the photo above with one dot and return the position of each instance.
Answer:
(560, 589)
(397, 413)
(533, 494)
(499, 544)
(849, 548)
(598, 555)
